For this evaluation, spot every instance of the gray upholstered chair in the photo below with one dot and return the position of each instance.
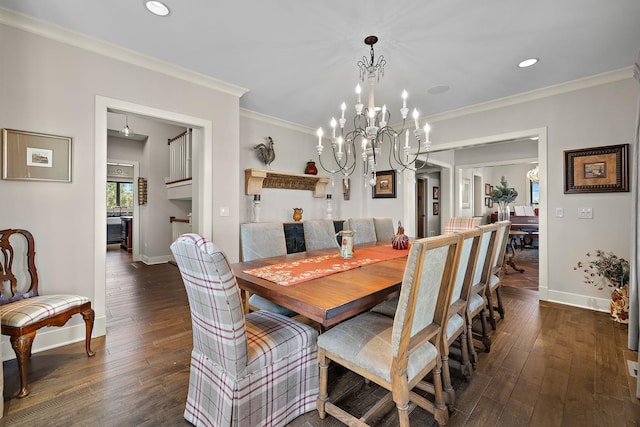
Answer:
(263, 240)
(364, 228)
(253, 370)
(319, 234)
(398, 353)
(384, 229)
(477, 306)
(494, 283)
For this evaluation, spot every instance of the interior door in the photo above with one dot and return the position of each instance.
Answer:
(420, 204)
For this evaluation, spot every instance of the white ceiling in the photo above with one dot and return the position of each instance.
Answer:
(298, 58)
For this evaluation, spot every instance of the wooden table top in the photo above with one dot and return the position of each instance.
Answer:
(331, 299)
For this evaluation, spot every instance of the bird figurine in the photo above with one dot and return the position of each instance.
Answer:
(265, 152)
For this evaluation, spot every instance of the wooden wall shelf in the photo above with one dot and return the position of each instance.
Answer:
(257, 179)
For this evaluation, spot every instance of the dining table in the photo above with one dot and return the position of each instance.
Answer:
(335, 295)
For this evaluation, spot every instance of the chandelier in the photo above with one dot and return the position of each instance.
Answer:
(533, 174)
(371, 129)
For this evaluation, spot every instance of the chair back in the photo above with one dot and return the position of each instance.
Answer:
(319, 234)
(364, 228)
(384, 229)
(18, 274)
(460, 223)
(486, 256)
(217, 313)
(426, 284)
(501, 241)
(465, 272)
(262, 240)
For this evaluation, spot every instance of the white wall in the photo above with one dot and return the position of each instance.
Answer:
(590, 116)
(51, 87)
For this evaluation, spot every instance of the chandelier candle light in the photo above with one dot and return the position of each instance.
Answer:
(371, 129)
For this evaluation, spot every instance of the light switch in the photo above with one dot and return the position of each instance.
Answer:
(559, 212)
(224, 211)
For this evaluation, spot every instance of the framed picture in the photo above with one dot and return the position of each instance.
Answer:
(436, 208)
(385, 185)
(465, 193)
(487, 189)
(597, 170)
(436, 193)
(488, 202)
(35, 156)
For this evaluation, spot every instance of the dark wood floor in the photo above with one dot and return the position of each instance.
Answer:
(550, 365)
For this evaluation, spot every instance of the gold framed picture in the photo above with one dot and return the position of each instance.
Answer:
(597, 170)
(385, 185)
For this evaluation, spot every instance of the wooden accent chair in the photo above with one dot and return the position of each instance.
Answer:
(398, 353)
(254, 370)
(364, 228)
(477, 303)
(384, 229)
(263, 240)
(319, 234)
(22, 310)
(497, 270)
(460, 223)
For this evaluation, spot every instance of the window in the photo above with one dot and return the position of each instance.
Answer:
(535, 193)
(120, 194)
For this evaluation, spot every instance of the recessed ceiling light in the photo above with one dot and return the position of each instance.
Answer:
(438, 89)
(156, 7)
(528, 62)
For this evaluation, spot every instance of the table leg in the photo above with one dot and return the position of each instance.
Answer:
(509, 258)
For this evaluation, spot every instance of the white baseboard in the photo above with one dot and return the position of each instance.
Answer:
(53, 337)
(582, 301)
(156, 259)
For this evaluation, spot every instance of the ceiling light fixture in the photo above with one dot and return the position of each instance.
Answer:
(528, 62)
(534, 174)
(156, 7)
(126, 130)
(371, 129)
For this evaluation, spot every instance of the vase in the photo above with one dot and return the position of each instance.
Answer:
(297, 214)
(311, 168)
(503, 213)
(620, 304)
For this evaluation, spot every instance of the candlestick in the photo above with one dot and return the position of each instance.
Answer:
(343, 107)
(358, 90)
(404, 98)
(415, 118)
(319, 137)
(406, 139)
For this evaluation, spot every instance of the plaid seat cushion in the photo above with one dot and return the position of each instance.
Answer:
(460, 223)
(31, 310)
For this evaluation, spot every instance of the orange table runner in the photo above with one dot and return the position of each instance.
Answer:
(293, 272)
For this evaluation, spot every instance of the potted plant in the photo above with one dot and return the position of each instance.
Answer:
(606, 268)
(503, 195)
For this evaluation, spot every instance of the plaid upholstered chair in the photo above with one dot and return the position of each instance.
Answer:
(460, 223)
(22, 310)
(398, 353)
(494, 283)
(254, 370)
(319, 234)
(263, 240)
(364, 228)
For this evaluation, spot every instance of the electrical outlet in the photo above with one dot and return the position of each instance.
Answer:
(585, 213)
(559, 212)
(224, 211)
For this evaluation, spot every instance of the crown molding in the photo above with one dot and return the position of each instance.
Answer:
(62, 35)
(583, 83)
(249, 114)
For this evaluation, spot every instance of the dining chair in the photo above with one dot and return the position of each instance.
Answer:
(263, 240)
(398, 353)
(494, 285)
(246, 370)
(384, 229)
(460, 223)
(477, 305)
(364, 228)
(319, 234)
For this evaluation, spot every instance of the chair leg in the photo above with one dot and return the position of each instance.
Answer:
(88, 317)
(440, 411)
(465, 364)
(492, 318)
(500, 307)
(486, 339)
(449, 392)
(473, 355)
(323, 396)
(22, 347)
